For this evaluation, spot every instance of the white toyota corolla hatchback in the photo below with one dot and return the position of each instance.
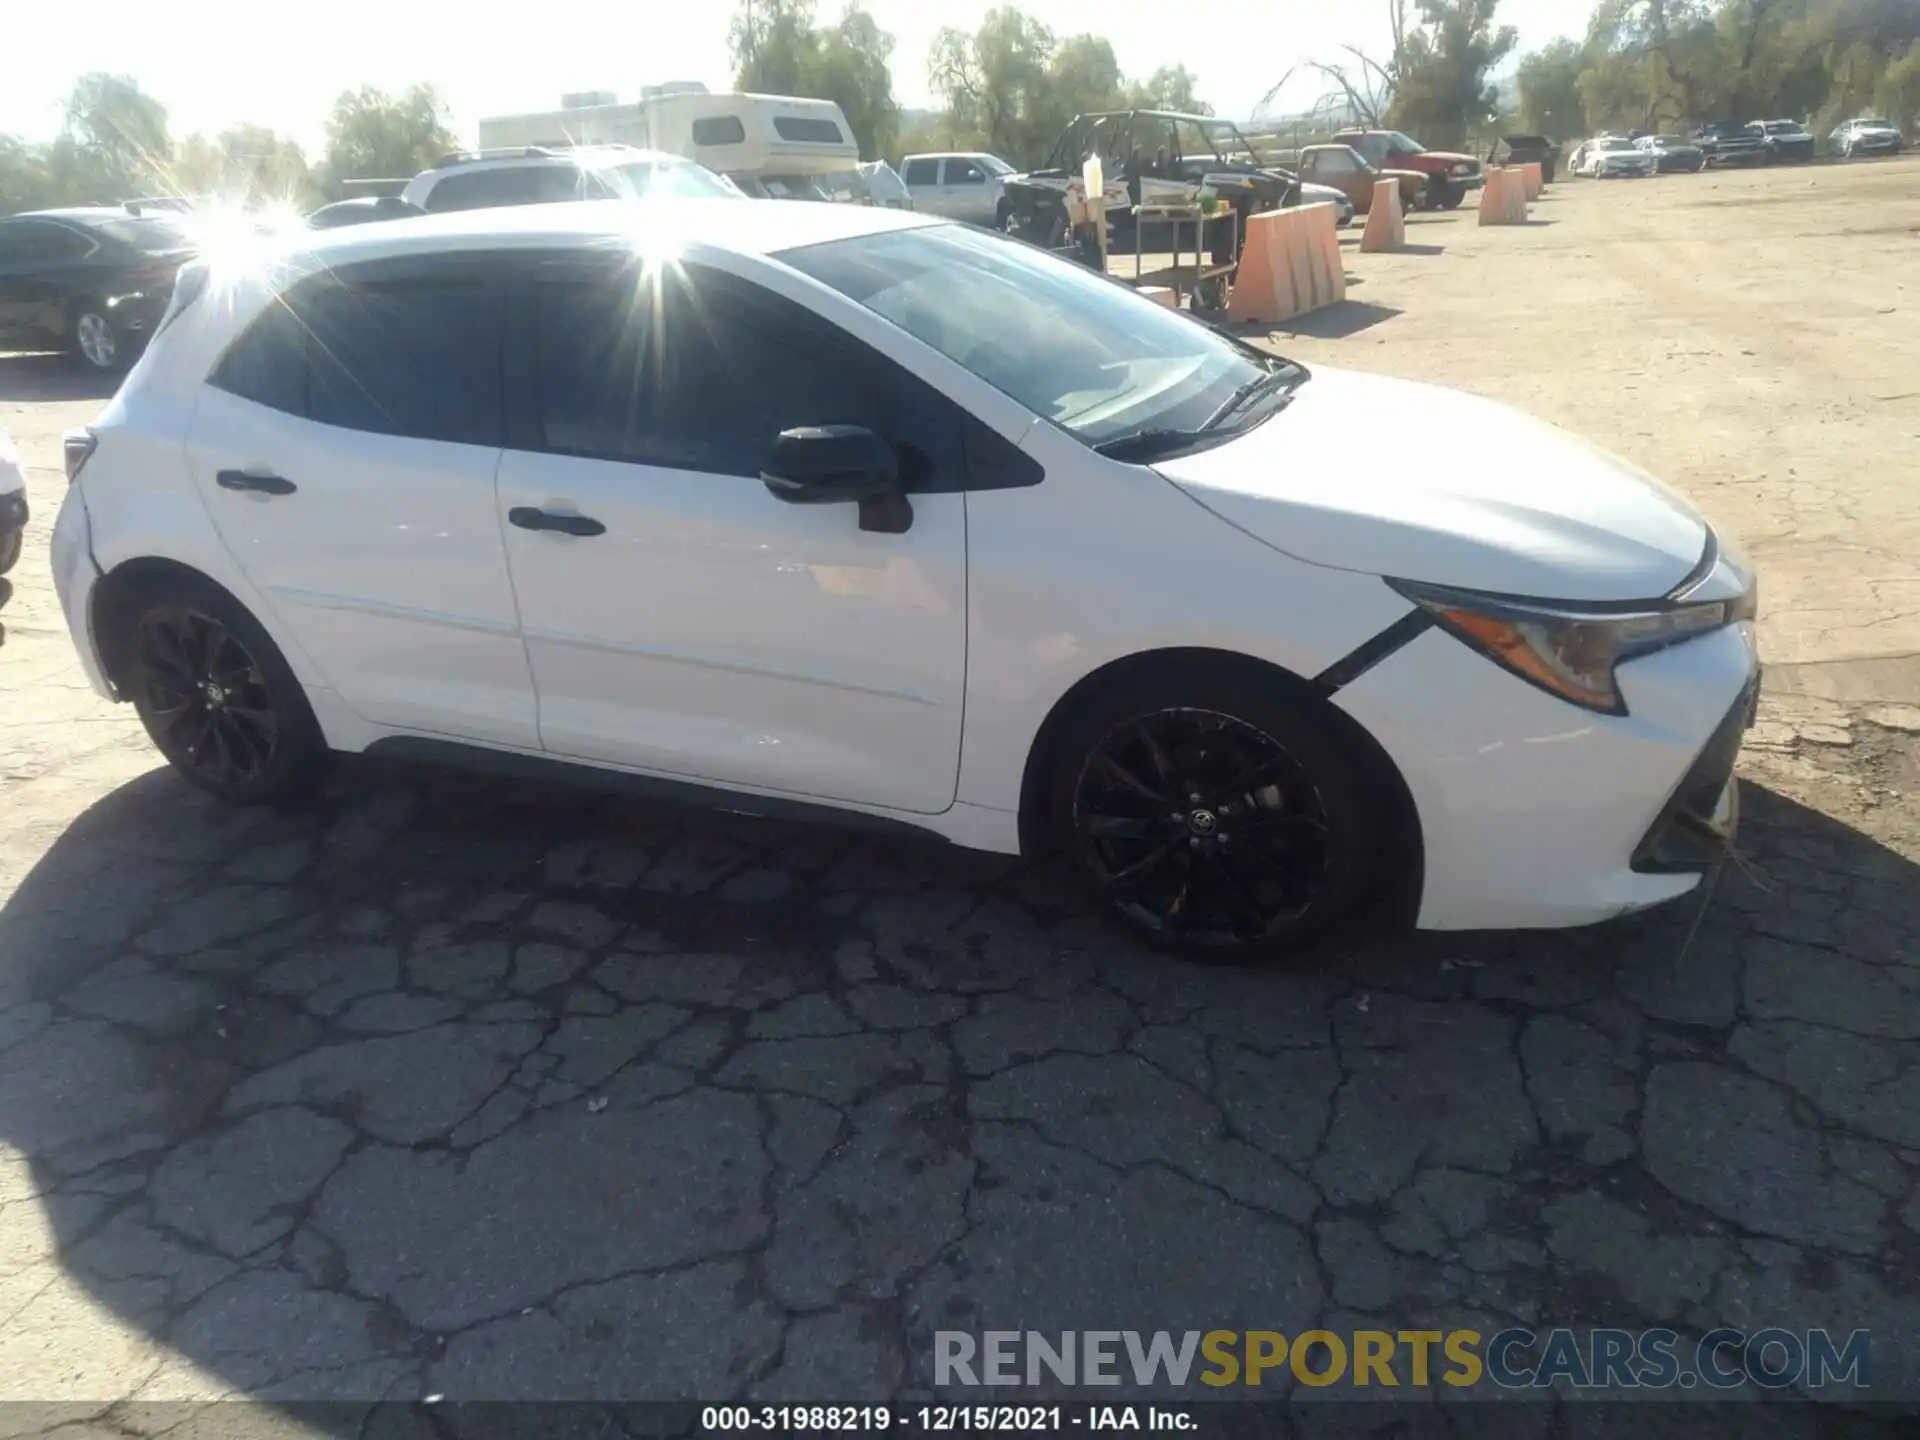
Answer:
(803, 507)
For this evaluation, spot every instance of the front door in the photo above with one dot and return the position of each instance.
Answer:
(681, 619)
(37, 260)
(346, 449)
(964, 192)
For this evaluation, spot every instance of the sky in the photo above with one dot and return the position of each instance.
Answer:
(215, 63)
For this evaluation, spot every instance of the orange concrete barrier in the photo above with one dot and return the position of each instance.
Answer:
(1535, 181)
(1503, 200)
(1290, 264)
(1386, 221)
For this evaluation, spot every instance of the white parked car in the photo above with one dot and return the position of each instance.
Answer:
(1608, 156)
(811, 508)
(960, 187)
(1865, 136)
(13, 507)
(532, 175)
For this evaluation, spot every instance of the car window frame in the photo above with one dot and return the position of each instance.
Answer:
(482, 266)
(988, 459)
(907, 170)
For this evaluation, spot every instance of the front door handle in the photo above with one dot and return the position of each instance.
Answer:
(529, 518)
(259, 484)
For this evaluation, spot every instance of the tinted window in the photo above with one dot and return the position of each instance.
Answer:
(965, 172)
(719, 130)
(417, 357)
(24, 241)
(513, 185)
(1335, 162)
(686, 368)
(154, 233)
(922, 172)
(807, 128)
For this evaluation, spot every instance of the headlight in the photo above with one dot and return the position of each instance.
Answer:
(1569, 649)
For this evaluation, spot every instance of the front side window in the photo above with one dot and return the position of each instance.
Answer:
(25, 242)
(965, 172)
(1090, 355)
(1335, 162)
(155, 234)
(687, 368)
(1404, 144)
(418, 357)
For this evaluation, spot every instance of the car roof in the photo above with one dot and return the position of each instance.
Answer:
(747, 227)
(81, 213)
(584, 157)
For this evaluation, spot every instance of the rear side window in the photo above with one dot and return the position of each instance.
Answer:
(418, 357)
(514, 185)
(808, 129)
(719, 130)
(922, 172)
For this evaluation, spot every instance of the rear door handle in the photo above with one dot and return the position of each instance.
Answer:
(260, 484)
(529, 518)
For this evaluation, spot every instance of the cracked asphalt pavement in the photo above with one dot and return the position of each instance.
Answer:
(454, 1087)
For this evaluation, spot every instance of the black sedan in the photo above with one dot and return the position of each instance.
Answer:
(1674, 154)
(92, 281)
(1784, 139)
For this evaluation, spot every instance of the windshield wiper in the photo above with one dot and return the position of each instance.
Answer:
(1149, 444)
(1251, 391)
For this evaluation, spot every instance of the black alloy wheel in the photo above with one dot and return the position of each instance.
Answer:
(1204, 829)
(205, 700)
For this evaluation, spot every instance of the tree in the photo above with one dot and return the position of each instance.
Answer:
(116, 136)
(778, 49)
(1441, 82)
(371, 135)
(245, 162)
(1171, 87)
(1550, 101)
(995, 80)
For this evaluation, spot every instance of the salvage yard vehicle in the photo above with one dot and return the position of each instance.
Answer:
(1153, 158)
(539, 175)
(1532, 150)
(803, 509)
(970, 186)
(13, 508)
(1612, 157)
(1450, 176)
(91, 280)
(1727, 143)
(1673, 154)
(743, 137)
(1865, 136)
(1783, 140)
(1343, 168)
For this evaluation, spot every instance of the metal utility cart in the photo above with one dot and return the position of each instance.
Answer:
(1204, 283)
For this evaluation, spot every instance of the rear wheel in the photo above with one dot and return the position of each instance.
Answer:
(1216, 813)
(95, 339)
(217, 698)
(10, 545)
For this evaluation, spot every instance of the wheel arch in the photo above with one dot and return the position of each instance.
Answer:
(1401, 876)
(116, 593)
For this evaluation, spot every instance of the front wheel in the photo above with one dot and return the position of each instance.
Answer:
(1452, 197)
(1217, 815)
(218, 699)
(10, 547)
(96, 341)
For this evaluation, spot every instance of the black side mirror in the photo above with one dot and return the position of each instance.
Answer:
(837, 464)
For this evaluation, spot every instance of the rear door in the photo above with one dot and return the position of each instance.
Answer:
(346, 448)
(922, 177)
(39, 263)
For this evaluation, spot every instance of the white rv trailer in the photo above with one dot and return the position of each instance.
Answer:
(745, 137)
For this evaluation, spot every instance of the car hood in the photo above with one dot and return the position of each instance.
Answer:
(1451, 157)
(1316, 194)
(1395, 478)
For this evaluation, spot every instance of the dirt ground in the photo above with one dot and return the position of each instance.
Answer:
(441, 1086)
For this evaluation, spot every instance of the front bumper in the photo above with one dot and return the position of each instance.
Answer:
(1533, 813)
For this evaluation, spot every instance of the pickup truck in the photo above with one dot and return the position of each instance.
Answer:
(1450, 176)
(1728, 142)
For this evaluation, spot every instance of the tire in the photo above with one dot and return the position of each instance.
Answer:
(1127, 766)
(94, 339)
(218, 699)
(1451, 197)
(10, 547)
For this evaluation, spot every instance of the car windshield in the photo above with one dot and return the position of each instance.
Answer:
(154, 233)
(1404, 143)
(1617, 144)
(994, 164)
(1671, 140)
(1092, 356)
(1872, 125)
(667, 181)
(1781, 127)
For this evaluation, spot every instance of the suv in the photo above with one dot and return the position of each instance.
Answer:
(1450, 175)
(1784, 139)
(833, 508)
(1727, 142)
(1865, 136)
(536, 175)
